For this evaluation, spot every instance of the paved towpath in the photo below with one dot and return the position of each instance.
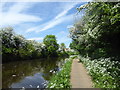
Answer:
(79, 76)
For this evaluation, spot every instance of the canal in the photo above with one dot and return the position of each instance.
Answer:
(30, 73)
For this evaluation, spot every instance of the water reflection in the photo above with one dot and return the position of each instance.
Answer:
(35, 81)
(30, 73)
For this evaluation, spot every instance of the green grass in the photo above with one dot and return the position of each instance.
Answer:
(62, 78)
(104, 72)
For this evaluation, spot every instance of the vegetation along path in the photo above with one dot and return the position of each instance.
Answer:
(79, 76)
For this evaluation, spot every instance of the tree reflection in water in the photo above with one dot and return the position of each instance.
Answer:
(29, 73)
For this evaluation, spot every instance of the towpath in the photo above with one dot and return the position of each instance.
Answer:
(79, 76)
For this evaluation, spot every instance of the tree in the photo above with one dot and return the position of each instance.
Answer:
(51, 45)
(97, 33)
(16, 47)
(62, 47)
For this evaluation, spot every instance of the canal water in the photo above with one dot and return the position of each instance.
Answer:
(30, 73)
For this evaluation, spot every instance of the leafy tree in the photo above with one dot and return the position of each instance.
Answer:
(97, 33)
(51, 45)
(16, 47)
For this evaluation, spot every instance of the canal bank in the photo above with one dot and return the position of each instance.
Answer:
(62, 78)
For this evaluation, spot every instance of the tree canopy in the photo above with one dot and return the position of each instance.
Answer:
(97, 33)
(16, 47)
(51, 45)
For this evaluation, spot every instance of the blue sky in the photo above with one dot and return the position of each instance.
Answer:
(35, 20)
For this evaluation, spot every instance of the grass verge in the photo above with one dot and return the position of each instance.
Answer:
(62, 78)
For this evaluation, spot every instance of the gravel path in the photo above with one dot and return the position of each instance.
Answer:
(79, 76)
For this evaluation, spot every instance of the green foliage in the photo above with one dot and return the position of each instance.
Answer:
(104, 72)
(62, 78)
(72, 53)
(16, 47)
(63, 54)
(51, 45)
(97, 33)
(96, 36)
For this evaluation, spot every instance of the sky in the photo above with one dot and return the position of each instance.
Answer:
(35, 20)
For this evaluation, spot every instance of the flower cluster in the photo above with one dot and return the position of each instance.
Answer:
(104, 72)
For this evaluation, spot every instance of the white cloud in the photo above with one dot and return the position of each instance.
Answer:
(36, 38)
(57, 20)
(17, 18)
(32, 29)
(19, 7)
(14, 16)
(66, 9)
(50, 24)
(69, 26)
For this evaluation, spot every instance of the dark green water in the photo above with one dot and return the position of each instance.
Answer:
(30, 73)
